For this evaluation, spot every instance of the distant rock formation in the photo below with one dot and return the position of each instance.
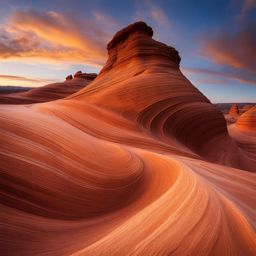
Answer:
(69, 77)
(50, 92)
(78, 73)
(234, 111)
(247, 121)
(90, 76)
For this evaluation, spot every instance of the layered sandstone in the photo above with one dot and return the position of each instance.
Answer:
(247, 121)
(142, 82)
(127, 165)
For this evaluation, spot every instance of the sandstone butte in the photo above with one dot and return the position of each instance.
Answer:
(234, 111)
(138, 162)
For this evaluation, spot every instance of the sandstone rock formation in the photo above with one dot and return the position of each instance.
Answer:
(126, 166)
(49, 92)
(234, 111)
(247, 121)
(145, 85)
(69, 77)
(78, 73)
(87, 76)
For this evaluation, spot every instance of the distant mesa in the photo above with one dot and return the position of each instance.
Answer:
(80, 74)
(225, 107)
(247, 121)
(234, 110)
(90, 76)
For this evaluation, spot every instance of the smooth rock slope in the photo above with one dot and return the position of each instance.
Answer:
(247, 121)
(49, 92)
(139, 162)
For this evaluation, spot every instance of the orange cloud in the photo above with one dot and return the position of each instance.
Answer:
(234, 52)
(204, 76)
(52, 35)
(20, 78)
(209, 76)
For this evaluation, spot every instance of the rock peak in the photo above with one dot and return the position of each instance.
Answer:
(234, 110)
(134, 44)
(124, 33)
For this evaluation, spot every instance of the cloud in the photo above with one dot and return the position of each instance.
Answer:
(21, 78)
(209, 76)
(55, 36)
(152, 13)
(23, 81)
(235, 53)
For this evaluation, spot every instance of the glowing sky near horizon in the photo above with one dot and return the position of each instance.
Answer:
(44, 41)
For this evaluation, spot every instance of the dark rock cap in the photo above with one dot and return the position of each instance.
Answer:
(125, 32)
(78, 73)
(69, 77)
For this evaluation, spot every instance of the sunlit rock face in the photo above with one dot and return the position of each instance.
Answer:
(247, 121)
(121, 167)
(234, 111)
(142, 81)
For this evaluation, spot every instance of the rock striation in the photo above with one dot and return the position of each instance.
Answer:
(247, 121)
(142, 82)
(126, 165)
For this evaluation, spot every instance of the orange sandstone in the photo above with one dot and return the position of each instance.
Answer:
(139, 162)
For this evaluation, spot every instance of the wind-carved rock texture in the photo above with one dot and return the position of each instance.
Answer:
(247, 121)
(127, 165)
(142, 81)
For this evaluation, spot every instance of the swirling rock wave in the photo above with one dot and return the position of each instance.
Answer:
(139, 162)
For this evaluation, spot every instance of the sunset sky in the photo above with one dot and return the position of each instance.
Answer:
(44, 41)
